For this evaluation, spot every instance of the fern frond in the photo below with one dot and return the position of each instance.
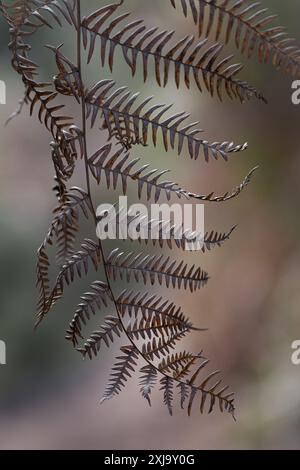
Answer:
(41, 97)
(42, 276)
(121, 371)
(78, 265)
(156, 327)
(90, 303)
(185, 368)
(177, 361)
(184, 393)
(32, 14)
(249, 25)
(25, 18)
(157, 348)
(66, 239)
(167, 385)
(210, 395)
(147, 381)
(56, 9)
(213, 239)
(207, 68)
(76, 199)
(228, 195)
(155, 269)
(118, 108)
(112, 326)
(152, 307)
(67, 218)
(116, 166)
(210, 392)
(152, 325)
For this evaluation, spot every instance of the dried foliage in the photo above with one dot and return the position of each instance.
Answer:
(151, 326)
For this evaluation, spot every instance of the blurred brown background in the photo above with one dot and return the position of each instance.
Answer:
(49, 398)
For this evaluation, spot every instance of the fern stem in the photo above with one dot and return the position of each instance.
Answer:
(83, 108)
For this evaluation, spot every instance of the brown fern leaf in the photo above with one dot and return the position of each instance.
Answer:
(157, 348)
(116, 166)
(152, 308)
(67, 229)
(78, 265)
(205, 65)
(65, 152)
(119, 106)
(229, 195)
(121, 371)
(147, 381)
(75, 199)
(177, 362)
(32, 14)
(251, 27)
(167, 385)
(66, 239)
(185, 368)
(210, 393)
(156, 327)
(39, 94)
(42, 275)
(184, 393)
(56, 9)
(91, 302)
(40, 97)
(213, 239)
(72, 204)
(152, 325)
(112, 326)
(154, 269)
(25, 18)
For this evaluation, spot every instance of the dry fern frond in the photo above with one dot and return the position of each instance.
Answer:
(147, 381)
(151, 325)
(121, 371)
(112, 326)
(208, 69)
(139, 121)
(91, 302)
(116, 166)
(251, 27)
(155, 268)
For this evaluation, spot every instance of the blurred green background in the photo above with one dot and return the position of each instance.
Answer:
(49, 398)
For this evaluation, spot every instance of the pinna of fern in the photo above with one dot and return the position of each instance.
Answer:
(251, 27)
(149, 326)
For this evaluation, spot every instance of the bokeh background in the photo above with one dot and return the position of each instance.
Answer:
(49, 397)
